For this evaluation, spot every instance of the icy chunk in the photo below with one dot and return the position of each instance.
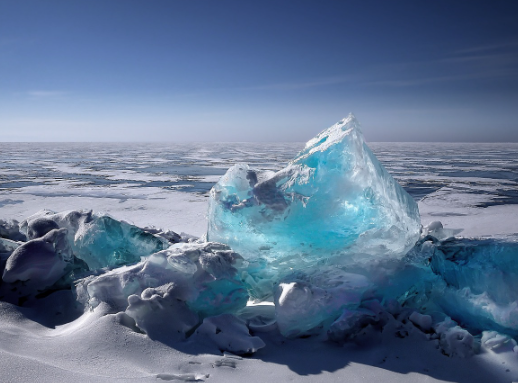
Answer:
(308, 306)
(454, 340)
(437, 230)
(70, 220)
(493, 340)
(11, 230)
(99, 240)
(113, 287)
(204, 275)
(39, 261)
(481, 278)
(170, 235)
(228, 333)
(485, 266)
(433, 227)
(217, 281)
(334, 201)
(424, 322)
(39, 227)
(107, 242)
(36, 265)
(162, 313)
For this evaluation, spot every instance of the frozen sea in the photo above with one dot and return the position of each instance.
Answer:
(166, 184)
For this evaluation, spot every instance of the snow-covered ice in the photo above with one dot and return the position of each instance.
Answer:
(90, 297)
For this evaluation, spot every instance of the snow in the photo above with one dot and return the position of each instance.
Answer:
(141, 208)
(102, 350)
(470, 221)
(101, 346)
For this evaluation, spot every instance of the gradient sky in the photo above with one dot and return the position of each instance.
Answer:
(165, 70)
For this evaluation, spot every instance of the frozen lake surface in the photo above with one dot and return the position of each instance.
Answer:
(158, 183)
(421, 168)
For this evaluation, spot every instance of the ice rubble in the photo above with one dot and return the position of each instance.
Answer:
(474, 280)
(332, 239)
(202, 275)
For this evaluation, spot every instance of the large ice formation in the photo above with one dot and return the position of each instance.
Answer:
(155, 285)
(332, 239)
(334, 201)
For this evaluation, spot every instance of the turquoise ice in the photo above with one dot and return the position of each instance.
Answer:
(480, 282)
(97, 239)
(333, 202)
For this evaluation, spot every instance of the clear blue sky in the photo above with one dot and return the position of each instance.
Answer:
(166, 70)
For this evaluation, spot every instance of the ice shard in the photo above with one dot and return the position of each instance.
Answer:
(97, 239)
(333, 202)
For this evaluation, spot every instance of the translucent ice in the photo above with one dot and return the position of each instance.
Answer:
(99, 240)
(472, 281)
(480, 282)
(334, 201)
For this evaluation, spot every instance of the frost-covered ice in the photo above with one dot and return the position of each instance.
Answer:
(102, 299)
(303, 307)
(201, 275)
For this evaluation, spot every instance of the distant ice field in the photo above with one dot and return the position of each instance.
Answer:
(166, 185)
